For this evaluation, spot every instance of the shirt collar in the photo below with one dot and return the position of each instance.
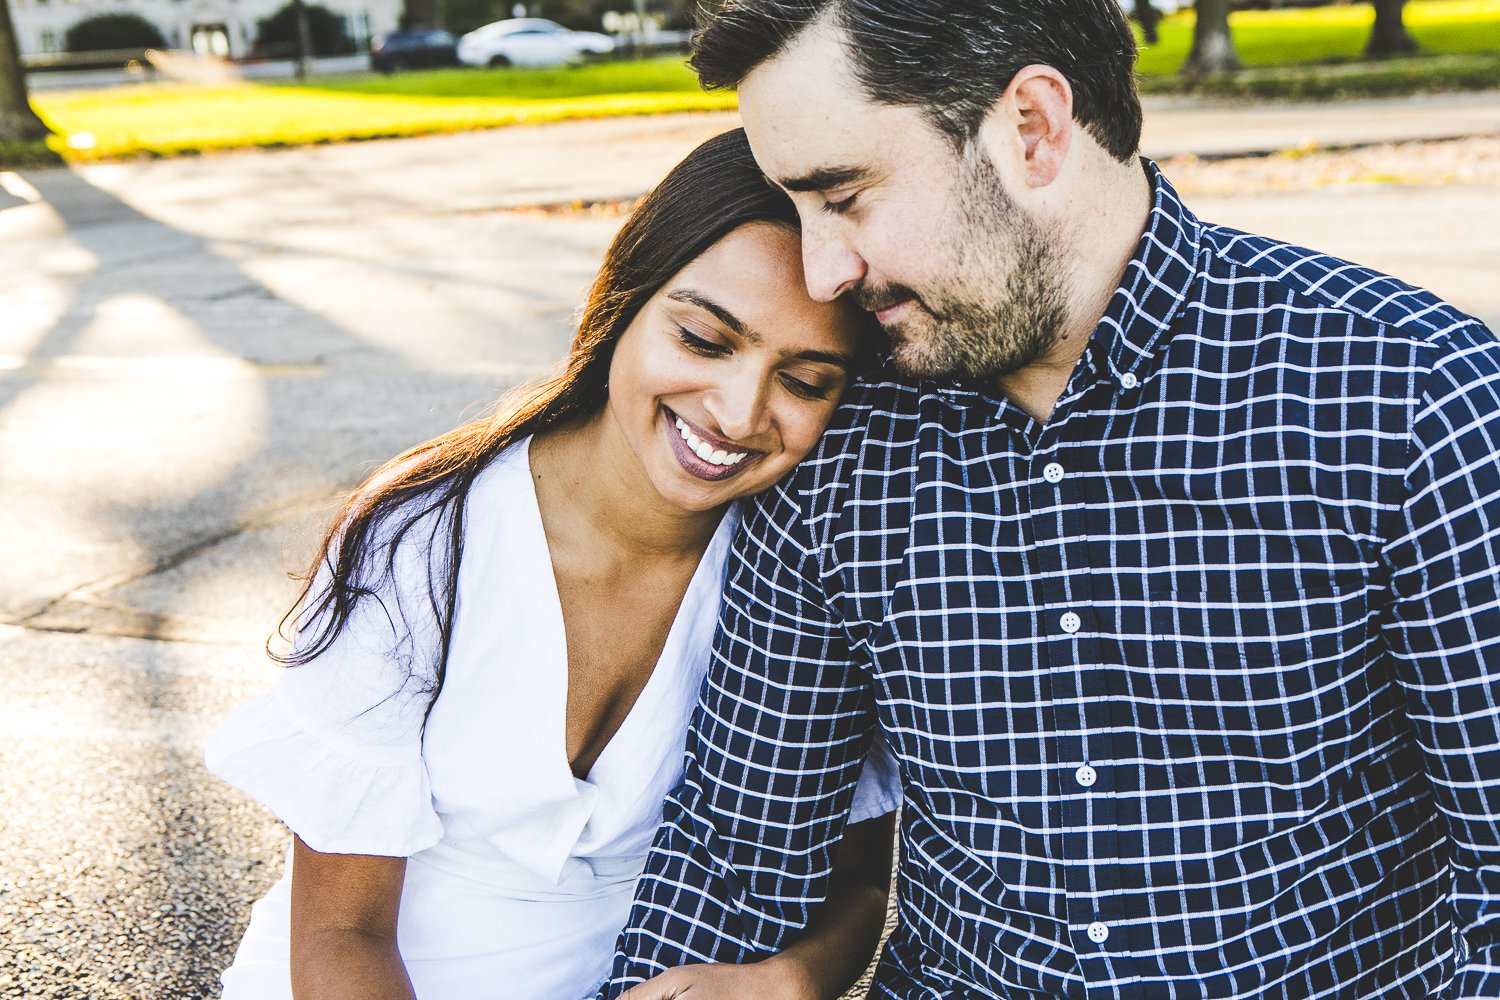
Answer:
(1154, 288)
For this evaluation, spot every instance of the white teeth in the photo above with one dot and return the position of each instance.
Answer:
(706, 451)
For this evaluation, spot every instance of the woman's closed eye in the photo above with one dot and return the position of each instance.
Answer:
(820, 389)
(700, 345)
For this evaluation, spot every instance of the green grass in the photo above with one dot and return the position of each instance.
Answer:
(1387, 78)
(21, 155)
(167, 119)
(1322, 35)
(663, 75)
(1299, 53)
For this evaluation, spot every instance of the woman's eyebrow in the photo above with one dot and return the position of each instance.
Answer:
(723, 315)
(843, 361)
(729, 319)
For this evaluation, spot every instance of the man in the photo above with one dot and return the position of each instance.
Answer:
(1163, 558)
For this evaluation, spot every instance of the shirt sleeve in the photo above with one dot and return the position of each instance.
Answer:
(1444, 631)
(773, 756)
(335, 748)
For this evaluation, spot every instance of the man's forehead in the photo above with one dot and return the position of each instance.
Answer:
(810, 124)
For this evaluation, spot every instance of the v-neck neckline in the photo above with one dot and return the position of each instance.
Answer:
(669, 646)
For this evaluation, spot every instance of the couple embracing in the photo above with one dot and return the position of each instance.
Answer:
(918, 448)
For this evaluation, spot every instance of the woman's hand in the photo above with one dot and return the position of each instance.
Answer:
(771, 979)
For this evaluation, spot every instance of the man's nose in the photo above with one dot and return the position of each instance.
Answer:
(830, 266)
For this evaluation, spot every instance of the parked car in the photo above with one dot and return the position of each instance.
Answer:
(417, 49)
(529, 41)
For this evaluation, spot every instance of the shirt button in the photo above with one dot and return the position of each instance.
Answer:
(1071, 623)
(1129, 381)
(1053, 473)
(1098, 933)
(1086, 777)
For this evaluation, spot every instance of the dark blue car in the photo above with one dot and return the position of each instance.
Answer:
(418, 48)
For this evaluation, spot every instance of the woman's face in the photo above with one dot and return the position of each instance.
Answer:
(728, 375)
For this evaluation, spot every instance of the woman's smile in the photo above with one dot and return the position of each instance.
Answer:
(701, 453)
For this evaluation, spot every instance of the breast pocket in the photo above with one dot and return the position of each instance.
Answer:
(1266, 672)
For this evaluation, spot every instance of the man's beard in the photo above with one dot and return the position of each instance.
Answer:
(972, 330)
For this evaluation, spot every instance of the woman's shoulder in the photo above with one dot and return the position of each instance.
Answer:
(502, 496)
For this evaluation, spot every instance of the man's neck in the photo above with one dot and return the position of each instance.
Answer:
(1100, 236)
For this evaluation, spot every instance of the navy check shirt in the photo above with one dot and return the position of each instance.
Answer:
(1193, 687)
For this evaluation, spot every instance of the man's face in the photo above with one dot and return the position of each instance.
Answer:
(967, 284)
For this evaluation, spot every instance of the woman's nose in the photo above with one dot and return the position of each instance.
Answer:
(738, 406)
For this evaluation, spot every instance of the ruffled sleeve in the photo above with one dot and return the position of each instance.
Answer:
(879, 788)
(335, 748)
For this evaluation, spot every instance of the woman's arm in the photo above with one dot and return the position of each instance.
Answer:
(344, 910)
(829, 956)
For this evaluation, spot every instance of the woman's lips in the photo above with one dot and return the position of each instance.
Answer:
(698, 466)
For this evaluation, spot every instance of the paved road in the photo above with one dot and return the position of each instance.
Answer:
(197, 354)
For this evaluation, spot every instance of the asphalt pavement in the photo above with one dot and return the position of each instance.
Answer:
(197, 355)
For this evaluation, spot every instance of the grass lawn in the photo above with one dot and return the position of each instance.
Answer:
(1330, 34)
(170, 118)
(1309, 53)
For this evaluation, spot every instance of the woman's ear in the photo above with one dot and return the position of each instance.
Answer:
(1030, 126)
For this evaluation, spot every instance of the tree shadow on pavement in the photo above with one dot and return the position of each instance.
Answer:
(175, 403)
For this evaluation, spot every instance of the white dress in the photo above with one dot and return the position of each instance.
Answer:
(520, 875)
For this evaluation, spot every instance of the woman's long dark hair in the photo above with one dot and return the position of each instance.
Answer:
(715, 190)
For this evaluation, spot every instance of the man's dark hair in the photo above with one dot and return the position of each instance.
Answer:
(950, 58)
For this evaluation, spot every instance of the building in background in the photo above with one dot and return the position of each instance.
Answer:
(224, 28)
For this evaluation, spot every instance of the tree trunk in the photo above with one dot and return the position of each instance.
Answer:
(304, 40)
(1389, 36)
(1146, 16)
(1213, 50)
(18, 123)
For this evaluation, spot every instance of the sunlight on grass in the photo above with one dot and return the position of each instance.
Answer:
(1328, 34)
(164, 119)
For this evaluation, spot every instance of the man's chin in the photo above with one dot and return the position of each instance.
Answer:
(913, 361)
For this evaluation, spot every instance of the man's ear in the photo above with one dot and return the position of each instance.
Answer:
(1031, 125)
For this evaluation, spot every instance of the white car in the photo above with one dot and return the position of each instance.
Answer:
(529, 41)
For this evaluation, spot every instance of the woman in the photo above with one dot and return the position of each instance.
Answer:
(496, 660)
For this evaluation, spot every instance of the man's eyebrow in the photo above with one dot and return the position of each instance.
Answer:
(723, 315)
(825, 179)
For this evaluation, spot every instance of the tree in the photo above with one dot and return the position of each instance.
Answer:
(1389, 37)
(1146, 16)
(1213, 49)
(107, 32)
(18, 123)
(280, 31)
